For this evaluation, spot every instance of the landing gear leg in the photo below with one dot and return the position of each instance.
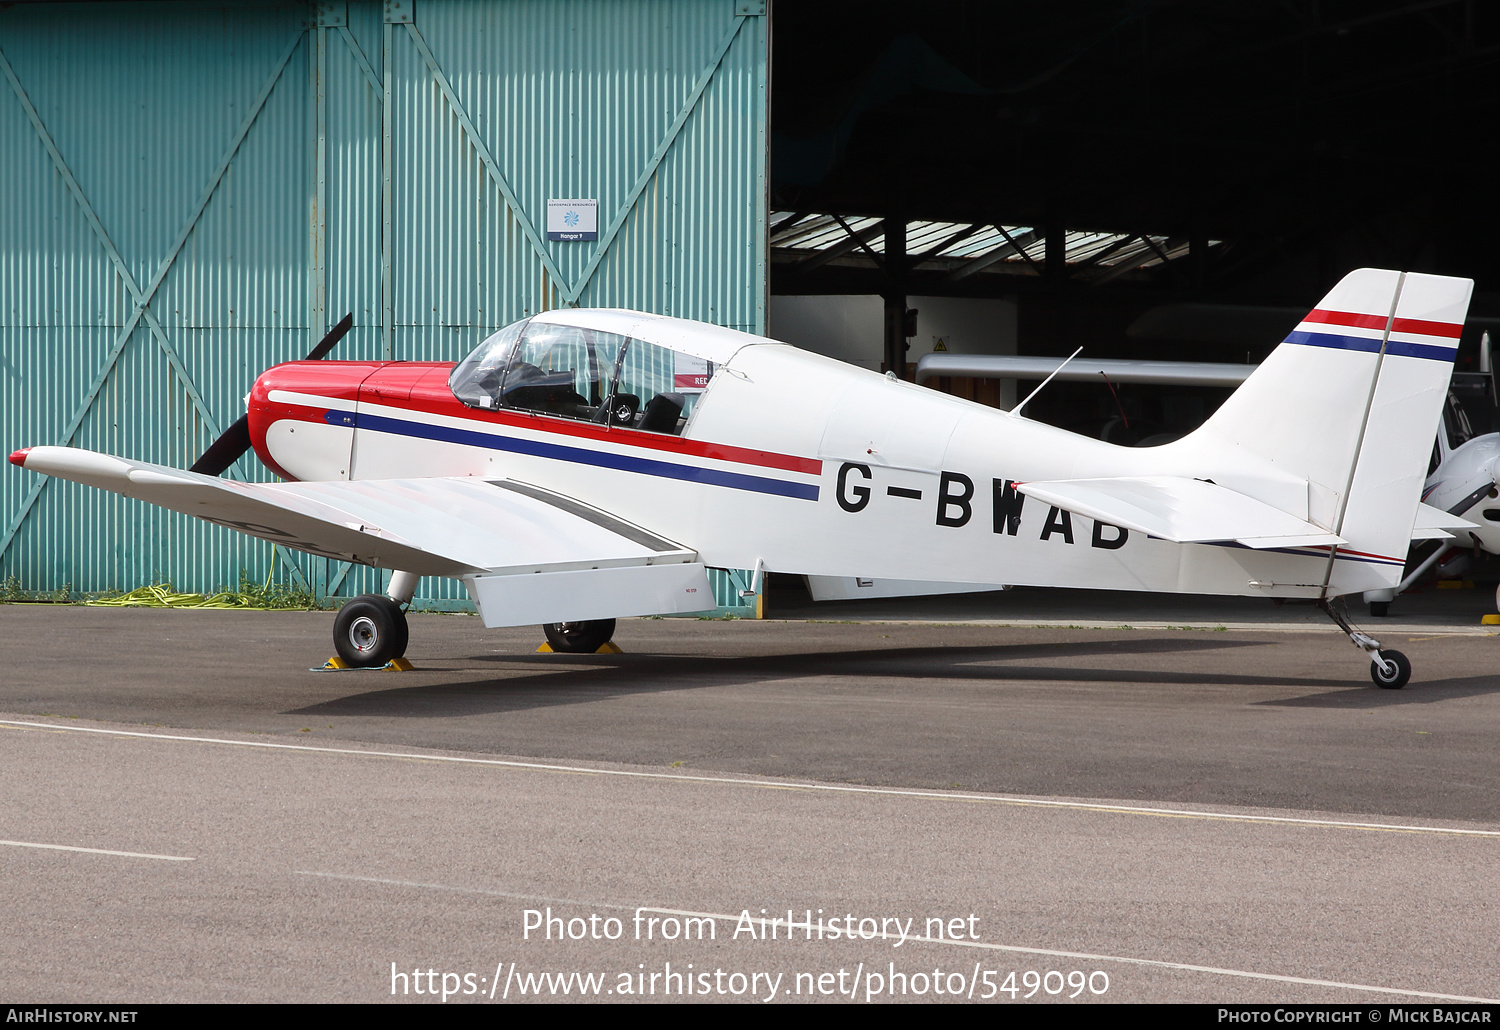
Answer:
(1389, 669)
(403, 585)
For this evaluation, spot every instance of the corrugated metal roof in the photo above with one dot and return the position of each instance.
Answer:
(951, 245)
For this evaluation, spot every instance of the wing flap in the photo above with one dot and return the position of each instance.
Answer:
(1184, 511)
(582, 594)
(432, 527)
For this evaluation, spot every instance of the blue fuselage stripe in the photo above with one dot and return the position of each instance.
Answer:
(1364, 343)
(583, 456)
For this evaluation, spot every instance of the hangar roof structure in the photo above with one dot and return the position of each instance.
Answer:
(1125, 154)
(809, 241)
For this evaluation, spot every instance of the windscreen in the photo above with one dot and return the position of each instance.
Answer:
(476, 379)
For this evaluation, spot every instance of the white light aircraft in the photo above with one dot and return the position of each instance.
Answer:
(583, 465)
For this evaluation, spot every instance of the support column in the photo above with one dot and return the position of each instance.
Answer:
(1198, 255)
(895, 295)
(1056, 259)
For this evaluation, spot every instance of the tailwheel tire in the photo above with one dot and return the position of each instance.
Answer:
(1380, 609)
(579, 637)
(370, 631)
(1391, 671)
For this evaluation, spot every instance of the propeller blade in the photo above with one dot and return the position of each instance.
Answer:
(235, 440)
(224, 451)
(335, 334)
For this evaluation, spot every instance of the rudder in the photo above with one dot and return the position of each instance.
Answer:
(1350, 403)
(1405, 412)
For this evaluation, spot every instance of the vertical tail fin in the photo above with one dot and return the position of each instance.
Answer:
(1350, 402)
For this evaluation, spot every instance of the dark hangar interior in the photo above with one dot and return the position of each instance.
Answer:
(1147, 178)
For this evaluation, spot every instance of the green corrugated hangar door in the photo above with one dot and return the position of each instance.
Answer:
(195, 192)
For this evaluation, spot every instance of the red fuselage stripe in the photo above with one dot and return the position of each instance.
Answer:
(617, 435)
(412, 387)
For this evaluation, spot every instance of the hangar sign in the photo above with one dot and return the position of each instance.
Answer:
(573, 220)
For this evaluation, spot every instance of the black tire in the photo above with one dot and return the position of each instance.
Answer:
(1392, 671)
(403, 631)
(579, 637)
(1380, 609)
(370, 631)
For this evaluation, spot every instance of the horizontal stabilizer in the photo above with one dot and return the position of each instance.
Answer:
(1436, 524)
(1184, 511)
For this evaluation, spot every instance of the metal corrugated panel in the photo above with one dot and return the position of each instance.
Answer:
(144, 103)
(574, 100)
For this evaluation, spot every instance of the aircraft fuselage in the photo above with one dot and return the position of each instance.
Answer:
(806, 464)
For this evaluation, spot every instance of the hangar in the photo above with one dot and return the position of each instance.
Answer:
(198, 190)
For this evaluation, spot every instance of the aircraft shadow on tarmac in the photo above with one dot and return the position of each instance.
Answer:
(586, 679)
(1417, 692)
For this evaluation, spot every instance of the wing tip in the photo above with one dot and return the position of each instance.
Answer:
(18, 458)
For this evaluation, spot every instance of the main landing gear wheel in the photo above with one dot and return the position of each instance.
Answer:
(579, 637)
(1391, 670)
(370, 631)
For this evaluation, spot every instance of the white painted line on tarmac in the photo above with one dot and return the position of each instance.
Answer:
(1151, 962)
(1017, 949)
(830, 788)
(469, 890)
(93, 851)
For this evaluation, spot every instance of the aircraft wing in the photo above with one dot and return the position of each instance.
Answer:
(528, 555)
(1185, 511)
(1020, 366)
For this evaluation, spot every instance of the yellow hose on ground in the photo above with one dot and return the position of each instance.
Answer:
(162, 596)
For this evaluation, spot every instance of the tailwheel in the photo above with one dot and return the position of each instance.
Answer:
(1390, 669)
(579, 637)
(370, 631)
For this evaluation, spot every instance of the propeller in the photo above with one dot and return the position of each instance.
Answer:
(235, 440)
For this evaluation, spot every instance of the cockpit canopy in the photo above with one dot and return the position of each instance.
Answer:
(574, 372)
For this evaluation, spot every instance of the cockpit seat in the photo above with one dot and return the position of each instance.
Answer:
(662, 413)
